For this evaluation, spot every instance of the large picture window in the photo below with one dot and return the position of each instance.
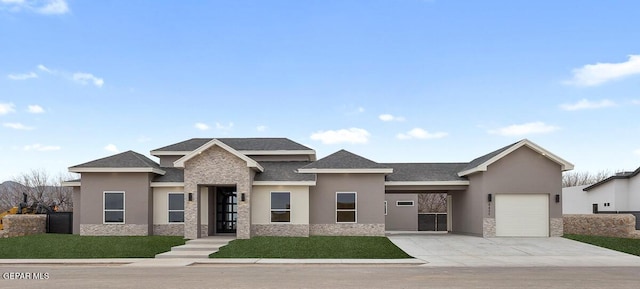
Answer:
(176, 207)
(346, 207)
(113, 207)
(280, 207)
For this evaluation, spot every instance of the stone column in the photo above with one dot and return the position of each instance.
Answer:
(191, 210)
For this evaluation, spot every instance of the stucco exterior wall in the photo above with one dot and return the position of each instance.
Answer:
(161, 204)
(634, 193)
(370, 197)
(576, 201)
(261, 204)
(523, 171)
(466, 208)
(401, 218)
(138, 202)
(167, 161)
(215, 166)
(77, 204)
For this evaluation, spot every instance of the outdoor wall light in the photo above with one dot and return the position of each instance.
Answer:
(190, 197)
(557, 198)
(489, 198)
(242, 198)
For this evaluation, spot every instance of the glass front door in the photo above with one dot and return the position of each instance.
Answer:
(226, 210)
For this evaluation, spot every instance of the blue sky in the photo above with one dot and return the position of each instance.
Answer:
(391, 80)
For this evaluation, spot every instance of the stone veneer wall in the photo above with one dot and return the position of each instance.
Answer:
(284, 230)
(608, 225)
(215, 166)
(556, 227)
(489, 227)
(168, 230)
(114, 230)
(347, 229)
(23, 225)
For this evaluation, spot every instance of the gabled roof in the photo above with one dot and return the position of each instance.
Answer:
(622, 175)
(480, 164)
(239, 144)
(425, 172)
(278, 172)
(128, 161)
(344, 161)
(216, 142)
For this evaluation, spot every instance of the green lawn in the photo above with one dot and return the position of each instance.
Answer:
(314, 247)
(631, 246)
(63, 246)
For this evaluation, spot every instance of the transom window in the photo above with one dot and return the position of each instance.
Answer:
(280, 207)
(346, 207)
(176, 207)
(113, 207)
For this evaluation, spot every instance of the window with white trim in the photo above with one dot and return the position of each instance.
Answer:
(404, 203)
(176, 207)
(113, 207)
(346, 207)
(280, 207)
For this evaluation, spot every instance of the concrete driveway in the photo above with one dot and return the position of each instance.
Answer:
(450, 250)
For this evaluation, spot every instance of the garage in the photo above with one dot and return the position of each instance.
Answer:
(522, 215)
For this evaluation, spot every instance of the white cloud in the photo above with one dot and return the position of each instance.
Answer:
(524, 129)
(17, 125)
(22, 76)
(599, 73)
(261, 128)
(40, 148)
(6, 108)
(111, 148)
(637, 152)
(220, 126)
(389, 117)
(418, 133)
(587, 104)
(201, 126)
(351, 135)
(360, 109)
(85, 78)
(48, 7)
(44, 68)
(35, 109)
(635, 101)
(54, 7)
(144, 139)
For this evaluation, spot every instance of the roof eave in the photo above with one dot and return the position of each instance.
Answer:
(346, 171)
(116, 170)
(565, 165)
(284, 183)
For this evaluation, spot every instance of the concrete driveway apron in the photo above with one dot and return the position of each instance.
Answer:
(451, 250)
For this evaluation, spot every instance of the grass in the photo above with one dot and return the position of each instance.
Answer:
(63, 246)
(630, 246)
(314, 247)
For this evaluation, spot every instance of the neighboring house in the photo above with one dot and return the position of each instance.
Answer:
(276, 187)
(618, 193)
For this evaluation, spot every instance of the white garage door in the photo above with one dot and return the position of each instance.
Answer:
(522, 215)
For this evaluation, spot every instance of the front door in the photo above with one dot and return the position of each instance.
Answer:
(226, 210)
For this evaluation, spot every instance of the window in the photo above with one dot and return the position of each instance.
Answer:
(114, 207)
(404, 203)
(280, 207)
(176, 207)
(346, 208)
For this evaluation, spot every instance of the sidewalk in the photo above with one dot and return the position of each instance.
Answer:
(150, 262)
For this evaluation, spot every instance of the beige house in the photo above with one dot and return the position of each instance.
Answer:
(275, 187)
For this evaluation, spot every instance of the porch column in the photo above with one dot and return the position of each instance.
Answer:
(191, 211)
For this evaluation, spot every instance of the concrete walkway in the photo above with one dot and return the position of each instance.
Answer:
(450, 250)
(198, 248)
